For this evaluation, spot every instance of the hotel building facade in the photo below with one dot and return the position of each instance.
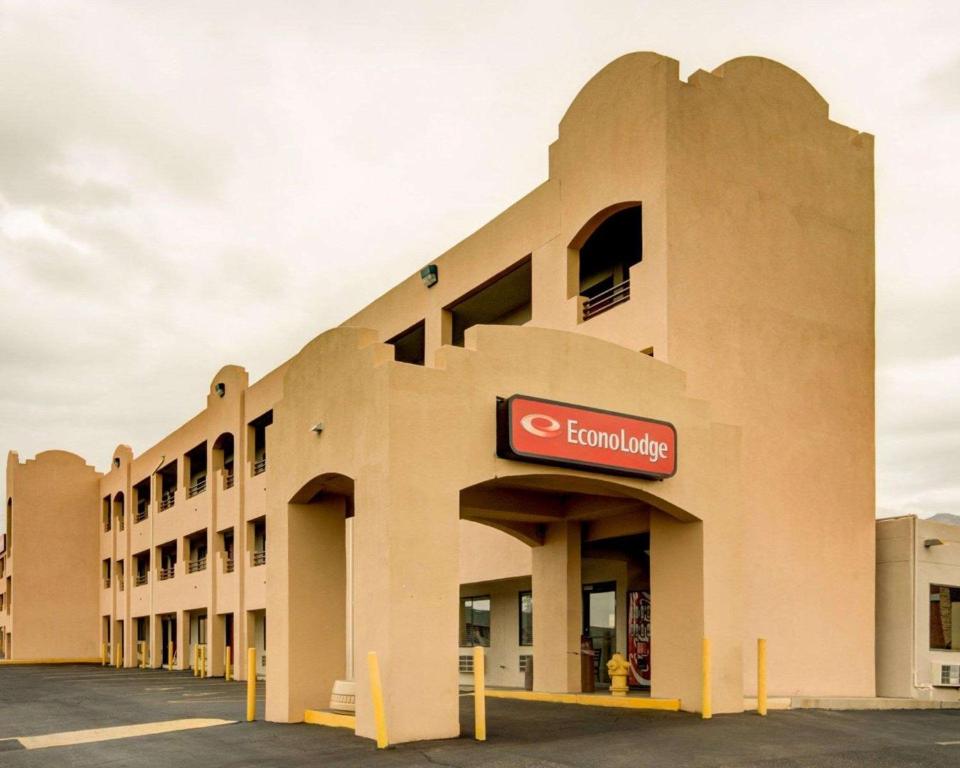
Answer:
(634, 410)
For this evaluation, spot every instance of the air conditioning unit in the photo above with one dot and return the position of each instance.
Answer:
(945, 675)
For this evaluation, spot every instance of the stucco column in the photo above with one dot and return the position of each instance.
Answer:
(306, 574)
(557, 608)
(406, 561)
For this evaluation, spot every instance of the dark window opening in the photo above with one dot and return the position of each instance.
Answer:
(227, 543)
(944, 618)
(259, 527)
(141, 495)
(195, 549)
(526, 618)
(141, 566)
(475, 621)
(258, 428)
(503, 300)
(605, 261)
(168, 560)
(195, 468)
(223, 458)
(118, 511)
(168, 485)
(106, 514)
(409, 346)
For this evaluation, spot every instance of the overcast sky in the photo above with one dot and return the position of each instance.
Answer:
(189, 184)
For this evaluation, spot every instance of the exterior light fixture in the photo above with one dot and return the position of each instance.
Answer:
(318, 427)
(429, 275)
(927, 543)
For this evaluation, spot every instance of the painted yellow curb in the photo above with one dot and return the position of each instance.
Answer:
(587, 700)
(16, 662)
(331, 719)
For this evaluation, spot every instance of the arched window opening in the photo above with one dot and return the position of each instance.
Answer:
(605, 260)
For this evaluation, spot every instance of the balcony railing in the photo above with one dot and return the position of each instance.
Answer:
(140, 579)
(142, 513)
(194, 566)
(228, 481)
(260, 465)
(167, 499)
(228, 565)
(259, 557)
(120, 522)
(120, 583)
(608, 299)
(106, 526)
(106, 582)
(198, 487)
(168, 572)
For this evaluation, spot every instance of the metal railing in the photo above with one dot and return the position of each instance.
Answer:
(120, 583)
(228, 481)
(121, 523)
(168, 572)
(106, 525)
(200, 564)
(142, 513)
(260, 465)
(167, 499)
(140, 579)
(608, 299)
(228, 565)
(259, 557)
(106, 582)
(198, 487)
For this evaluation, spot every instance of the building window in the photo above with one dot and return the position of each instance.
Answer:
(409, 346)
(475, 624)
(605, 259)
(526, 618)
(944, 618)
(505, 299)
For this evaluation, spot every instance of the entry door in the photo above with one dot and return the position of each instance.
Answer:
(600, 625)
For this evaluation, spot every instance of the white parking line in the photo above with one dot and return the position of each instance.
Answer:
(71, 738)
(948, 743)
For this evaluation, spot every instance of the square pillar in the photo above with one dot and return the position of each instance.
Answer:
(557, 609)
(406, 559)
(183, 640)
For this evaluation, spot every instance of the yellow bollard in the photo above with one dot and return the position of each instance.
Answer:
(118, 655)
(376, 693)
(104, 654)
(706, 704)
(170, 655)
(194, 654)
(251, 684)
(227, 653)
(762, 677)
(479, 695)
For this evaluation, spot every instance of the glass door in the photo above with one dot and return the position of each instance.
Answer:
(600, 625)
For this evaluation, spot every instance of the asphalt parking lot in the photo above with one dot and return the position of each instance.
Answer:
(37, 703)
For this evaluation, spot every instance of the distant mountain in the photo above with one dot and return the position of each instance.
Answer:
(945, 517)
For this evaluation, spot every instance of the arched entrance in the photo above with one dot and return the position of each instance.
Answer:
(586, 589)
(312, 577)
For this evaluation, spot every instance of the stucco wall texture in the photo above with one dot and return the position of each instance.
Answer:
(749, 326)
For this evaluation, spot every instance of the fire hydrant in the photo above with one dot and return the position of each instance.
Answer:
(617, 668)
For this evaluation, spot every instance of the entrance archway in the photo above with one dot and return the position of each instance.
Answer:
(593, 579)
(314, 643)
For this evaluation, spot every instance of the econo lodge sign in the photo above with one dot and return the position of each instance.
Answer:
(548, 432)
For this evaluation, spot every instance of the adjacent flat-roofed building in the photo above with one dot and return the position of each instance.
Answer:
(642, 395)
(918, 609)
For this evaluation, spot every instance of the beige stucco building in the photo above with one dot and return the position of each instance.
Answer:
(700, 256)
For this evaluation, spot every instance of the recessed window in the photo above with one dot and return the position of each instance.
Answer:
(605, 259)
(526, 618)
(944, 618)
(475, 622)
(502, 300)
(409, 346)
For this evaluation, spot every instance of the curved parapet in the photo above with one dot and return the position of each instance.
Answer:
(774, 81)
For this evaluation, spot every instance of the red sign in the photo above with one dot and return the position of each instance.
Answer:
(547, 432)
